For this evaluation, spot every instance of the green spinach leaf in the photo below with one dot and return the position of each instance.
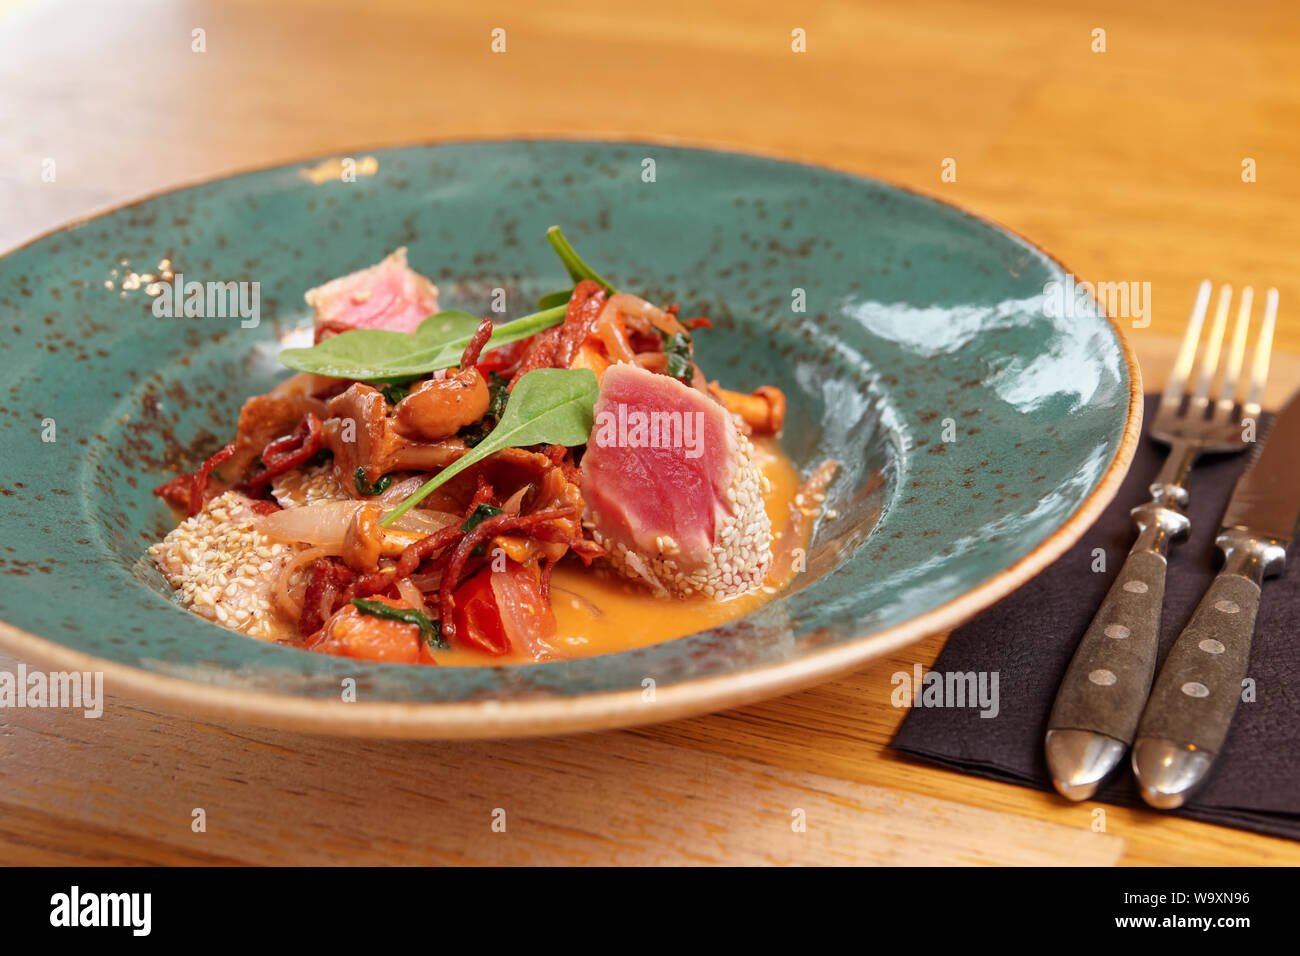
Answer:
(380, 355)
(376, 355)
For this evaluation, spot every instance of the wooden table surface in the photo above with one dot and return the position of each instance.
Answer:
(1127, 164)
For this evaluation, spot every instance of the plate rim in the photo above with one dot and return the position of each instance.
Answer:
(486, 719)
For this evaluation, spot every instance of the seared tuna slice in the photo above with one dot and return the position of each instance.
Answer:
(671, 490)
(389, 296)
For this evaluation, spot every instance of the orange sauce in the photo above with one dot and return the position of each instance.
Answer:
(599, 612)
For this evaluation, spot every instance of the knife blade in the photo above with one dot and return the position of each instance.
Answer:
(1266, 499)
(1195, 695)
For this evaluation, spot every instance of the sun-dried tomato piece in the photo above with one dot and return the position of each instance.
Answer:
(584, 308)
(191, 491)
(540, 354)
(289, 451)
(475, 346)
(325, 592)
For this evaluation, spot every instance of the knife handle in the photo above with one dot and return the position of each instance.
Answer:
(1107, 681)
(1195, 697)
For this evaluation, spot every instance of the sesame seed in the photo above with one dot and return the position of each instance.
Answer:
(222, 568)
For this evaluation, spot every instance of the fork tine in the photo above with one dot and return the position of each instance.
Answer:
(1173, 395)
(1210, 361)
(1236, 355)
(1259, 370)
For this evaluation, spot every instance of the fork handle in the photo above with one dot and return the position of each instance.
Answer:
(1105, 687)
(1195, 697)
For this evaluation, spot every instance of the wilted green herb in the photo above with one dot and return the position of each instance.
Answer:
(678, 349)
(367, 490)
(498, 390)
(479, 515)
(430, 631)
(394, 392)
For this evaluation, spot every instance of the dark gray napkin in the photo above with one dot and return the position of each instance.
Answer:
(1029, 637)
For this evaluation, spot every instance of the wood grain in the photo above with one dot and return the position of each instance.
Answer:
(616, 798)
(1127, 164)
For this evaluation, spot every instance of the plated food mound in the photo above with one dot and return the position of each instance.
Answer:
(433, 487)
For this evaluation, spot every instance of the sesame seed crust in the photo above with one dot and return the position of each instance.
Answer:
(307, 486)
(223, 568)
(739, 558)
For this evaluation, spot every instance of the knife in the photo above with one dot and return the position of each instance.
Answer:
(1195, 695)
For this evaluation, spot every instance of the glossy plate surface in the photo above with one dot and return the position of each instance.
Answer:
(979, 436)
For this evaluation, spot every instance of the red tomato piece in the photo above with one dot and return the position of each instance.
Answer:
(477, 617)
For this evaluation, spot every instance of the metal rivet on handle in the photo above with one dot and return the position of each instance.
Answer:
(1211, 646)
(1135, 587)
(1117, 631)
(1227, 607)
(1102, 677)
(1195, 688)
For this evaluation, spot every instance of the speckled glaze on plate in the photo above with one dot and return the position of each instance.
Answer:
(921, 323)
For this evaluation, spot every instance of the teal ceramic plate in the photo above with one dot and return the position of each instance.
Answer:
(979, 436)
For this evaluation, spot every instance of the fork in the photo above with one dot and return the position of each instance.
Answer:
(1098, 704)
